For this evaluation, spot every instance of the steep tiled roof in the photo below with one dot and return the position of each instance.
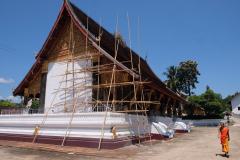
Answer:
(107, 46)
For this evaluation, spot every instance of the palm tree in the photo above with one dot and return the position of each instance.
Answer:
(172, 80)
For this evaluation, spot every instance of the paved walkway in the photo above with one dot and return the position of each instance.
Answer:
(201, 144)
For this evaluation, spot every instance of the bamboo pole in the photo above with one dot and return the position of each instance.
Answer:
(116, 101)
(98, 68)
(130, 111)
(46, 114)
(105, 117)
(140, 78)
(73, 85)
(133, 76)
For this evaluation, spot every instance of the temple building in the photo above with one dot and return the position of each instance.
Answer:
(83, 65)
(93, 91)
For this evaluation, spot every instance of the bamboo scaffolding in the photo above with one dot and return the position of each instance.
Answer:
(131, 111)
(93, 71)
(134, 98)
(103, 85)
(65, 93)
(46, 114)
(115, 101)
(113, 74)
(140, 78)
(104, 67)
(70, 48)
(133, 77)
(73, 86)
(98, 68)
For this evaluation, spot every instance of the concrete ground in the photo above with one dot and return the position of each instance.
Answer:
(201, 144)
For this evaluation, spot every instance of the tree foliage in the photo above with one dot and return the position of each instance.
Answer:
(187, 76)
(6, 103)
(183, 78)
(171, 75)
(211, 102)
(35, 104)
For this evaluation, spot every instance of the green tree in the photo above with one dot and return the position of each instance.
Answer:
(187, 75)
(213, 103)
(197, 100)
(182, 78)
(172, 80)
(6, 103)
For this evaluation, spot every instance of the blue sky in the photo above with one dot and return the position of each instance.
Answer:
(171, 31)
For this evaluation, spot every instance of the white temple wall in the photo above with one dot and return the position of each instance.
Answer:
(235, 102)
(59, 87)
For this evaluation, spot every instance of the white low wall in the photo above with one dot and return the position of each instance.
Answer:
(86, 125)
(203, 122)
(169, 121)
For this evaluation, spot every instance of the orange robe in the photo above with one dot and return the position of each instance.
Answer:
(224, 139)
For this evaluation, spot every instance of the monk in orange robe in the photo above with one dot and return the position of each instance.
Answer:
(224, 137)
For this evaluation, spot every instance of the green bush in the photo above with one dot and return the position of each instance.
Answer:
(35, 104)
(212, 103)
(6, 103)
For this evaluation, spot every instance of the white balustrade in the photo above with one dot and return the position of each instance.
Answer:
(86, 125)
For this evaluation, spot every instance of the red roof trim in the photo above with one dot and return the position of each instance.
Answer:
(38, 57)
(51, 32)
